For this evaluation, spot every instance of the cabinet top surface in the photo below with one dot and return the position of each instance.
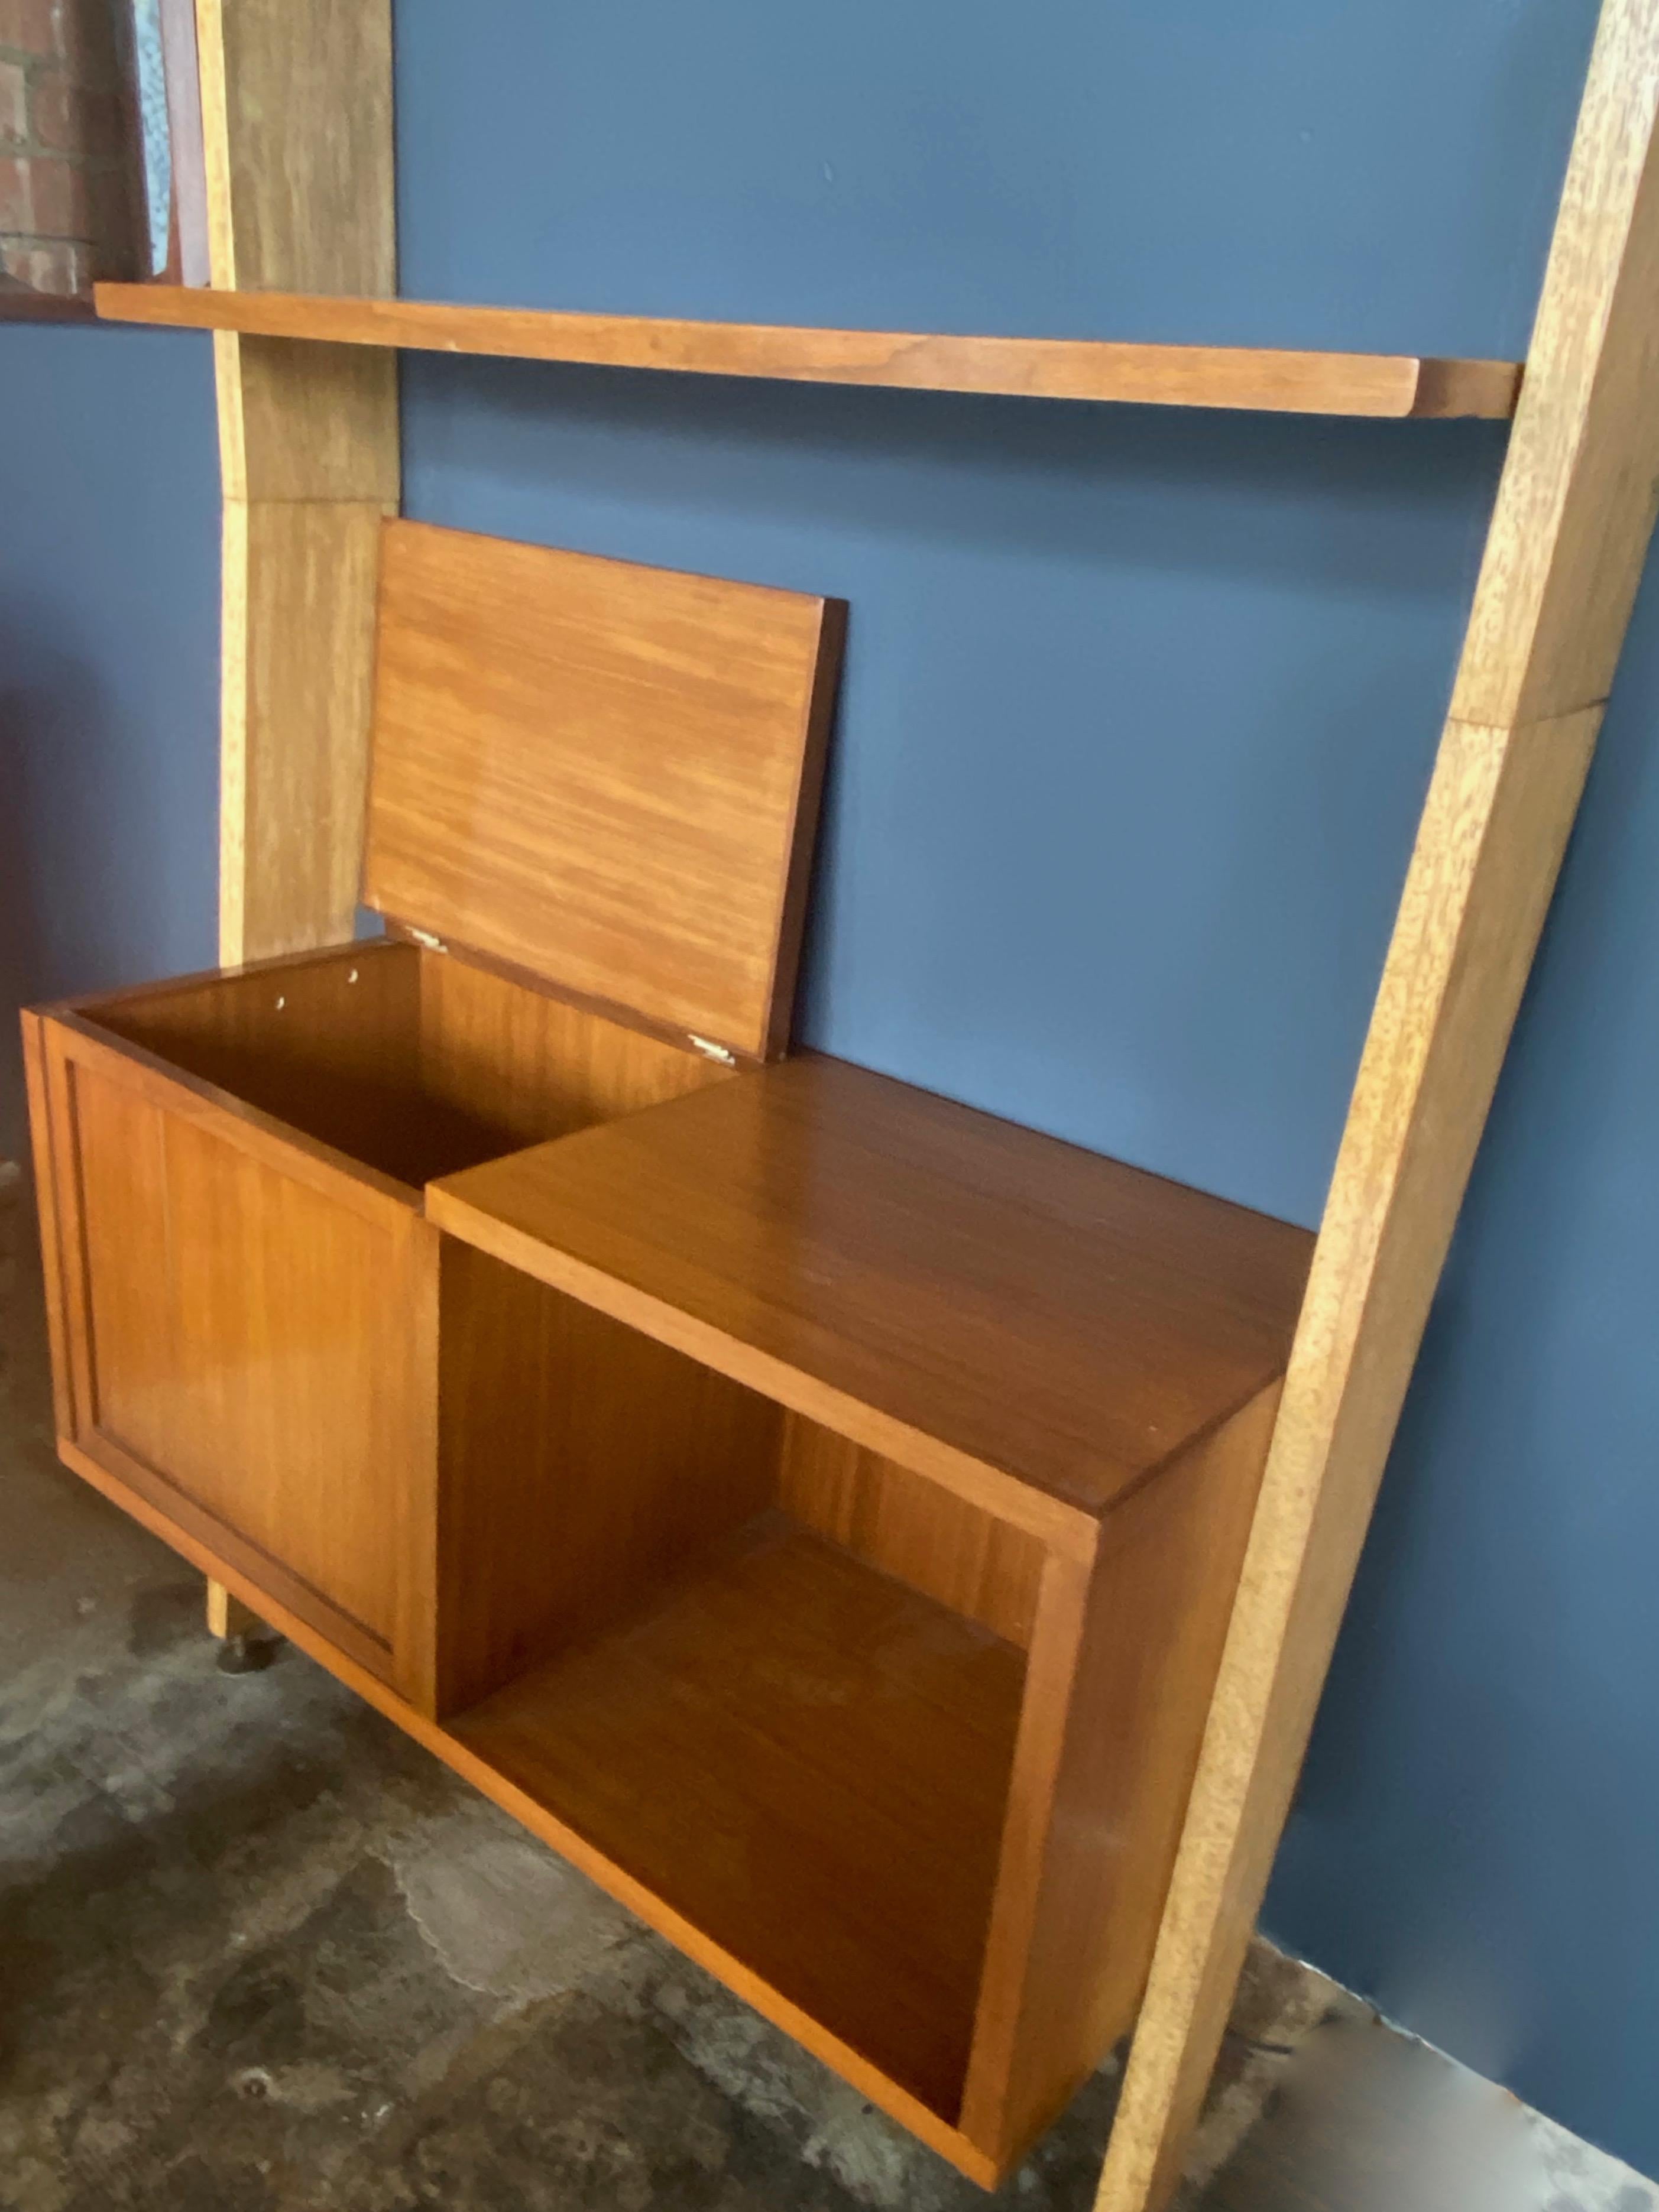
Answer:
(603, 774)
(1053, 1315)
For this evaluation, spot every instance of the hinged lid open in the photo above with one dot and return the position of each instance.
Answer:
(604, 776)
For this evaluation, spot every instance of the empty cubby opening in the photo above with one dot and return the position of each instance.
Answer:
(773, 1678)
(411, 1062)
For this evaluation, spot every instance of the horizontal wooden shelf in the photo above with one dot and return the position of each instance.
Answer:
(961, 1294)
(1265, 379)
(805, 1760)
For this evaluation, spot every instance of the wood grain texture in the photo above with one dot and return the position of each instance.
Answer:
(49, 1212)
(1569, 532)
(1275, 381)
(580, 1465)
(297, 658)
(1120, 1678)
(806, 1760)
(925, 1534)
(523, 1065)
(604, 774)
(329, 1043)
(307, 423)
(296, 97)
(296, 131)
(237, 1339)
(1575, 505)
(333, 1174)
(1019, 1303)
(411, 1063)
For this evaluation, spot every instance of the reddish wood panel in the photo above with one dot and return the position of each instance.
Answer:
(808, 1762)
(581, 1463)
(1122, 1666)
(906, 1526)
(240, 1337)
(605, 774)
(412, 1062)
(519, 1065)
(1267, 378)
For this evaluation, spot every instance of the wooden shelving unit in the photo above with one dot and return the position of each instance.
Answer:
(1276, 381)
(813, 1505)
(301, 233)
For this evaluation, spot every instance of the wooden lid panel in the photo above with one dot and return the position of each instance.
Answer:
(603, 775)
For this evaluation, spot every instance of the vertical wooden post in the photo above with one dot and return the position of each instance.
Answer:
(296, 116)
(1569, 534)
(296, 127)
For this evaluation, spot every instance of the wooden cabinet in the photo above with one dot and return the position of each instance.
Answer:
(814, 1506)
(903, 1728)
(249, 1296)
(589, 778)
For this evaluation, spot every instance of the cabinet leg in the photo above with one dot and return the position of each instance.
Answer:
(245, 1644)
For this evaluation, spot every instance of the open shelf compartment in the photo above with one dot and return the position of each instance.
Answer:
(842, 1497)
(806, 1760)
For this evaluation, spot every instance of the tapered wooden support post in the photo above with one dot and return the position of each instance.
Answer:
(1574, 514)
(296, 126)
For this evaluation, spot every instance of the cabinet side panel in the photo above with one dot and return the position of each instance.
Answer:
(244, 1338)
(580, 1464)
(524, 1067)
(1069, 1956)
(917, 1531)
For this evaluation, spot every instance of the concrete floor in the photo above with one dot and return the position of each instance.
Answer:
(259, 1953)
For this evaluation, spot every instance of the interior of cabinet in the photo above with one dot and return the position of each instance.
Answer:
(772, 1678)
(411, 1062)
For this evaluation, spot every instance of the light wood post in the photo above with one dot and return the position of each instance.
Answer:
(296, 114)
(1574, 514)
(296, 125)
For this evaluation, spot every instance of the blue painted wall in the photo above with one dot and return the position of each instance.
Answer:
(109, 667)
(1137, 714)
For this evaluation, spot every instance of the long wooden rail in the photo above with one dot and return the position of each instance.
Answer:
(1037, 368)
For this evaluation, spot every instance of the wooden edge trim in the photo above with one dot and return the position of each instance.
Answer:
(214, 106)
(46, 1171)
(419, 1514)
(818, 721)
(267, 1587)
(78, 1382)
(88, 1006)
(455, 1753)
(274, 1144)
(1267, 379)
(1064, 1528)
(1039, 1747)
(409, 936)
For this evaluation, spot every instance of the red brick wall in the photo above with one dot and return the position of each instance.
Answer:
(68, 177)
